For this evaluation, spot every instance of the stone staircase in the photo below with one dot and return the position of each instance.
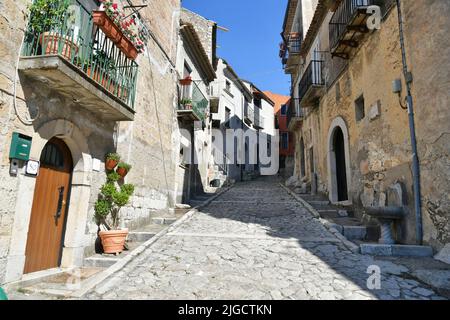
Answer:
(343, 219)
(61, 283)
(200, 199)
(137, 237)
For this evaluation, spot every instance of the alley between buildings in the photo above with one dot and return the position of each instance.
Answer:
(255, 241)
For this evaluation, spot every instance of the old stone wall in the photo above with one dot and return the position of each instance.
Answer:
(379, 146)
(379, 143)
(204, 29)
(12, 23)
(428, 52)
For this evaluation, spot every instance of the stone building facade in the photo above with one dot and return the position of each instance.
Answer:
(195, 60)
(43, 104)
(353, 137)
(287, 144)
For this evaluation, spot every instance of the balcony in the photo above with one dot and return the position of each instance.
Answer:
(193, 104)
(295, 116)
(312, 84)
(259, 121)
(348, 25)
(291, 54)
(249, 114)
(214, 97)
(71, 55)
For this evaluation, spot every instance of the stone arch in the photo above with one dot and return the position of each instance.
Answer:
(74, 238)
(337, 125)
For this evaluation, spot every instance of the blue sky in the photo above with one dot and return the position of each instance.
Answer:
(251, 45)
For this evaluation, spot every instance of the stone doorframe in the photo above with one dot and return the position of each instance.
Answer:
(74, 239)
(338, 122)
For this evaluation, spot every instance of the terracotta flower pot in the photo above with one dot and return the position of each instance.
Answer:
(52, 41)
(110, 164)
(109, 28)
(114, 33)
(113, 241)
(186, 81)
(128, 48)
(122, 172)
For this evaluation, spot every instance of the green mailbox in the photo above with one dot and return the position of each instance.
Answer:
(20, 147)
(3, 295)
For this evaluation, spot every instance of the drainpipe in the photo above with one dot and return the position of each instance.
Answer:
(412, 129)
(243, 138)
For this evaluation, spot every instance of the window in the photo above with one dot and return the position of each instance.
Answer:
(186, 89)
(227, 117)
(257, 102)
(359, 108)
(187, 70)
(283, 110)
(228, 86)
(285, 140)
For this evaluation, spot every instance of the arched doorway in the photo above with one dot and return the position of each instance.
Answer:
(339, 162)
(341, 171)
(50, 206)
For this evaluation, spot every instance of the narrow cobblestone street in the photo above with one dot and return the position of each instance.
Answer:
(255, 242)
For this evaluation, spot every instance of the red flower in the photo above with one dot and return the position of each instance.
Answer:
(114, 6)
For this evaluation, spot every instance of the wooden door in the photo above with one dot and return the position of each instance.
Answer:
(50, 204)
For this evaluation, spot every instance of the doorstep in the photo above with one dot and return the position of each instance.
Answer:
(398, 250)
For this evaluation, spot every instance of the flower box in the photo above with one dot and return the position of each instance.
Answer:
(113, 32)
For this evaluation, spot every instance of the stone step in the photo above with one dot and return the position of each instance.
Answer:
(201, 198)
(56, 286)
(100, 261)
(195, 203)
(327, 214)
(398, 250)
(318, 202)
(135, 236)
(163, 220)
(107, 260)
(355, 232)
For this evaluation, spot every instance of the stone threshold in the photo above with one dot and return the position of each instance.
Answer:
(397, 250)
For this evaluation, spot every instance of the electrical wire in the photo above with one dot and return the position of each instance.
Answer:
(26, 121)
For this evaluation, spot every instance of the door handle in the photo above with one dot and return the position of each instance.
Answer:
(61, 203)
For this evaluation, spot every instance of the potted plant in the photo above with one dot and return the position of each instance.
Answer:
(112, 160)
(186, 103)
(123, 169)
(45, 22)
(186, 81)
(123, 32)
(111, 200)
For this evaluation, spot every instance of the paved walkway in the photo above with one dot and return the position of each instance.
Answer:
(255, 242)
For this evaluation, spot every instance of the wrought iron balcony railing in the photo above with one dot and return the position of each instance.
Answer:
(72, 35)
(294, 45)
(312, 77)
(349, 17)
(259, 121)
(294, 114)
(249, 113)
(290, 48)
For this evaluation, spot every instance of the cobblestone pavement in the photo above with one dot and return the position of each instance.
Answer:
(255, 242)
